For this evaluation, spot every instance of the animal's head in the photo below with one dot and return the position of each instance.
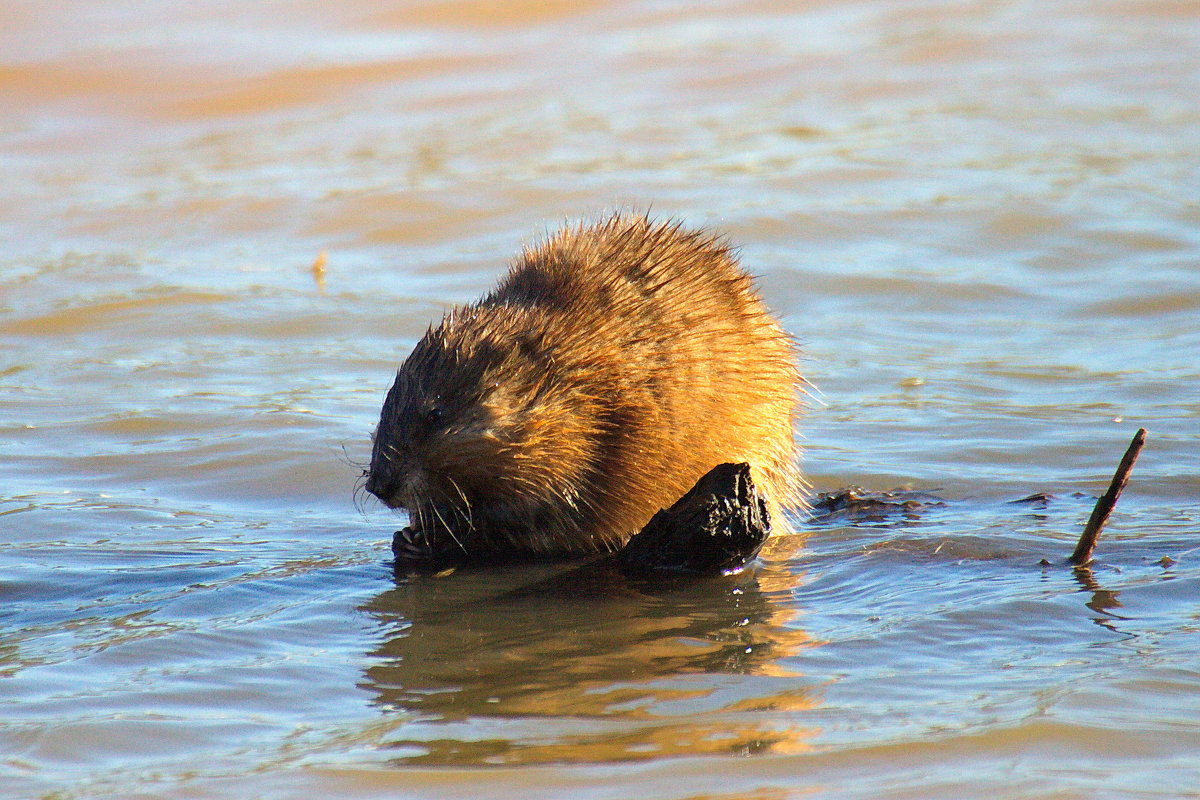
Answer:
(478, 425)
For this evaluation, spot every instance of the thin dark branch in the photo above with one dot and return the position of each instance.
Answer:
(1104, 506)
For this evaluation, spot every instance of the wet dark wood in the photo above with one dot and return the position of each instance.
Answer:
(1104, 506)
(856, 505)
(716, 528)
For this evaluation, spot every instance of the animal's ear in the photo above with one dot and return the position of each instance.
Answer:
(531, 344)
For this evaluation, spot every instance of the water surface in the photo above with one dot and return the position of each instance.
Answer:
(979, 219)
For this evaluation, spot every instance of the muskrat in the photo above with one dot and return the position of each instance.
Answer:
(613, 366)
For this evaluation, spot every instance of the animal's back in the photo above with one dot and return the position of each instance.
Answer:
(690, 366)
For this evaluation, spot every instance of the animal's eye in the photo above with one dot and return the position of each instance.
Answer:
(433, 413)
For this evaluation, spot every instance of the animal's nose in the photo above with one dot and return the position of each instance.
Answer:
(389, 484)
(376, 485)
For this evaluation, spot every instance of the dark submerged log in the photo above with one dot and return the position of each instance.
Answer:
(716, 528)
(721, 524)
(856, 505)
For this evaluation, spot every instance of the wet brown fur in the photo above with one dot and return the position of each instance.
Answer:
(613, 366)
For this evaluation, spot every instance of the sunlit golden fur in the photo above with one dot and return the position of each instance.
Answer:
(611, 368)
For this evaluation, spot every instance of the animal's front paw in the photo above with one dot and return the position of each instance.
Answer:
(416, 552)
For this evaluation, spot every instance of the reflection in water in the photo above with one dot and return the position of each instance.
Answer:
(480, 660)
(1102, 599)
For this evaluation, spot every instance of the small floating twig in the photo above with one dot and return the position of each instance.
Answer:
(1104, 506)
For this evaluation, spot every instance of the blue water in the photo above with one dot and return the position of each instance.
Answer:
(979, 220)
